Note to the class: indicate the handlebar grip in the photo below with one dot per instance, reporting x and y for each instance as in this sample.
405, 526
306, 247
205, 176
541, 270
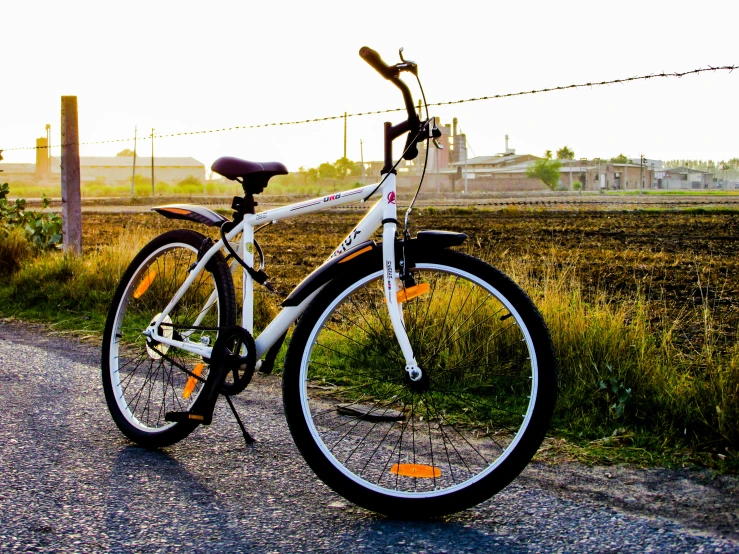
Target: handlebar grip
411, 150
374, 59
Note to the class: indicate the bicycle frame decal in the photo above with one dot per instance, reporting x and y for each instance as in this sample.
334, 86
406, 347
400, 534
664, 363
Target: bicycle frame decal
344, 246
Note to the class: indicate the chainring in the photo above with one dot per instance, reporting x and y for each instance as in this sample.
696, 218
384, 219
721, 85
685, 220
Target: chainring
234, 358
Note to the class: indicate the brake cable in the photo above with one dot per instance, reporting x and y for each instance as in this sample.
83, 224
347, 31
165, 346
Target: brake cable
406, 234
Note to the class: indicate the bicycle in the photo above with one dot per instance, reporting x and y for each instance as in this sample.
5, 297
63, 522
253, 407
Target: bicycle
418, 380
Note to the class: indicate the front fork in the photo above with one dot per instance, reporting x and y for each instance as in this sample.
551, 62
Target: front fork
390, 276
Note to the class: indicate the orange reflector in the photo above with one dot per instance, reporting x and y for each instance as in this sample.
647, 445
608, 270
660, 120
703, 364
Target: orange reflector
177, 211
191, 381
145, 284
416, 470
411, 292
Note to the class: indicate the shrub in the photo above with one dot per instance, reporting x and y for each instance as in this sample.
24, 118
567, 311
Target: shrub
14, 250
43, 230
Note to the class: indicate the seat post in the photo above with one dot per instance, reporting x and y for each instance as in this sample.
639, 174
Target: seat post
243, 205
249, 203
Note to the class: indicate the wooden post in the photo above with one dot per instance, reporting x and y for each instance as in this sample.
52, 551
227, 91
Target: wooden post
133, 175
345, 134
152, 163
71, 197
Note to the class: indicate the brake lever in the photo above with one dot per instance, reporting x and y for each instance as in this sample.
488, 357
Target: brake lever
406, 65
435, 134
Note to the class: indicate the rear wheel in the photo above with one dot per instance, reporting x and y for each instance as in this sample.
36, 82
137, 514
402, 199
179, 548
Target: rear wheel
142, 379
434, 446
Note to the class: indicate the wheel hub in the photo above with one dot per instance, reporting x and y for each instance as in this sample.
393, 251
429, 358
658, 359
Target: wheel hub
420, 385
157, 349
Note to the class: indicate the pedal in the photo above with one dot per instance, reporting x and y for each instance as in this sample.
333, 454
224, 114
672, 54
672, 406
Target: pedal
182, 417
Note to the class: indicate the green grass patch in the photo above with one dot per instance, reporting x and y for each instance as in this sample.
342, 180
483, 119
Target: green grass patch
624, 375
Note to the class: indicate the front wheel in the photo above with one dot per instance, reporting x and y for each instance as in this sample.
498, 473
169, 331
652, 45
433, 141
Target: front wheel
443, 443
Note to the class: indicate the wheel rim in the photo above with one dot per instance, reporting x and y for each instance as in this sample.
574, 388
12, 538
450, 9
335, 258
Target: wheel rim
146, 384
449, 430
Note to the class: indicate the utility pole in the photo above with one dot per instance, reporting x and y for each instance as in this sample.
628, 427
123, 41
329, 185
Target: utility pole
48, 151
641, 172
465, 163
345, 134
71, 196
584, 164
361, 157
152, 163
570, 173
438, 179
133, 176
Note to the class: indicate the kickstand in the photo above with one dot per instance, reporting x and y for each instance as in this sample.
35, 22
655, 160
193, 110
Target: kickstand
247, 437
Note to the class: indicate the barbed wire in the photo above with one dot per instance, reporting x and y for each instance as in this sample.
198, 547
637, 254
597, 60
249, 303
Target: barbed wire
624, 80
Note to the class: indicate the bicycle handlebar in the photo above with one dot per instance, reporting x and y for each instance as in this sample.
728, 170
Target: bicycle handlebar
374, 59
392, 74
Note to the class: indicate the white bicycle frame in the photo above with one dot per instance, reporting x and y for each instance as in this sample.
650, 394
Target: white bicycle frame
384, 210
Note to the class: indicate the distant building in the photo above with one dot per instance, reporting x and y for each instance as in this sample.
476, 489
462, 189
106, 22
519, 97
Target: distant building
508, 172
108, 169
685, 178
111, 169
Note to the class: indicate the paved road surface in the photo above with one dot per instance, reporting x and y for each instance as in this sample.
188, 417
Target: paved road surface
70, 482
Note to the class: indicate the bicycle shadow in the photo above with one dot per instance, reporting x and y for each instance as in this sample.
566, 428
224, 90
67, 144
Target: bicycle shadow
154, 501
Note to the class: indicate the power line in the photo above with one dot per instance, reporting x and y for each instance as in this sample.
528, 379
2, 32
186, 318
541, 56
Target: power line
660, 75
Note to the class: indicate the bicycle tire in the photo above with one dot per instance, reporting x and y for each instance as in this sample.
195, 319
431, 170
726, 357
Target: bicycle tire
143, 381
434, 447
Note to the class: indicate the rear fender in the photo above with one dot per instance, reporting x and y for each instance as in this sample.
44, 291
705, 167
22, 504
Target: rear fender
191, 212
370, 252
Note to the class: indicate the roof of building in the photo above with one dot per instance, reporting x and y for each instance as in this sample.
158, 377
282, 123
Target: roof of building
496, 159
518, 168
683, 169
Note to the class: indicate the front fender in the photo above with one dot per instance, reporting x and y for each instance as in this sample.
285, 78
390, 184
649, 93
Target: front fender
369, 252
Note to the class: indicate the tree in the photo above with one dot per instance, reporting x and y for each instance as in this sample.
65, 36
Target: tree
345, 167
125, 152
327, 171
190, 180
620, 159
548, 154
546, 170
565, 153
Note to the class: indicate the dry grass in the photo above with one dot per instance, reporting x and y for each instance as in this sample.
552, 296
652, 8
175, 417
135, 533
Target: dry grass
655, 323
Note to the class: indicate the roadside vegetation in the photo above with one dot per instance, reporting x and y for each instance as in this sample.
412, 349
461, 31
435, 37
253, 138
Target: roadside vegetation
644, 378
630, 385
315, 181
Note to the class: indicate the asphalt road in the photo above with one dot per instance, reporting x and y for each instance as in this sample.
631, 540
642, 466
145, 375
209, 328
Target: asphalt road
69, 481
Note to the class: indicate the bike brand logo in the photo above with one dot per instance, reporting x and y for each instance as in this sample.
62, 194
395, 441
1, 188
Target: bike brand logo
332, 197
261, 216
389, 266
347, 242
391, 197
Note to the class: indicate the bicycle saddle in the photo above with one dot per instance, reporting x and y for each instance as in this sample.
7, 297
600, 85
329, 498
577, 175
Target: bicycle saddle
253, 175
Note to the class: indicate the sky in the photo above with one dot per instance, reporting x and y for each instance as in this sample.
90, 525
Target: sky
188, 66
